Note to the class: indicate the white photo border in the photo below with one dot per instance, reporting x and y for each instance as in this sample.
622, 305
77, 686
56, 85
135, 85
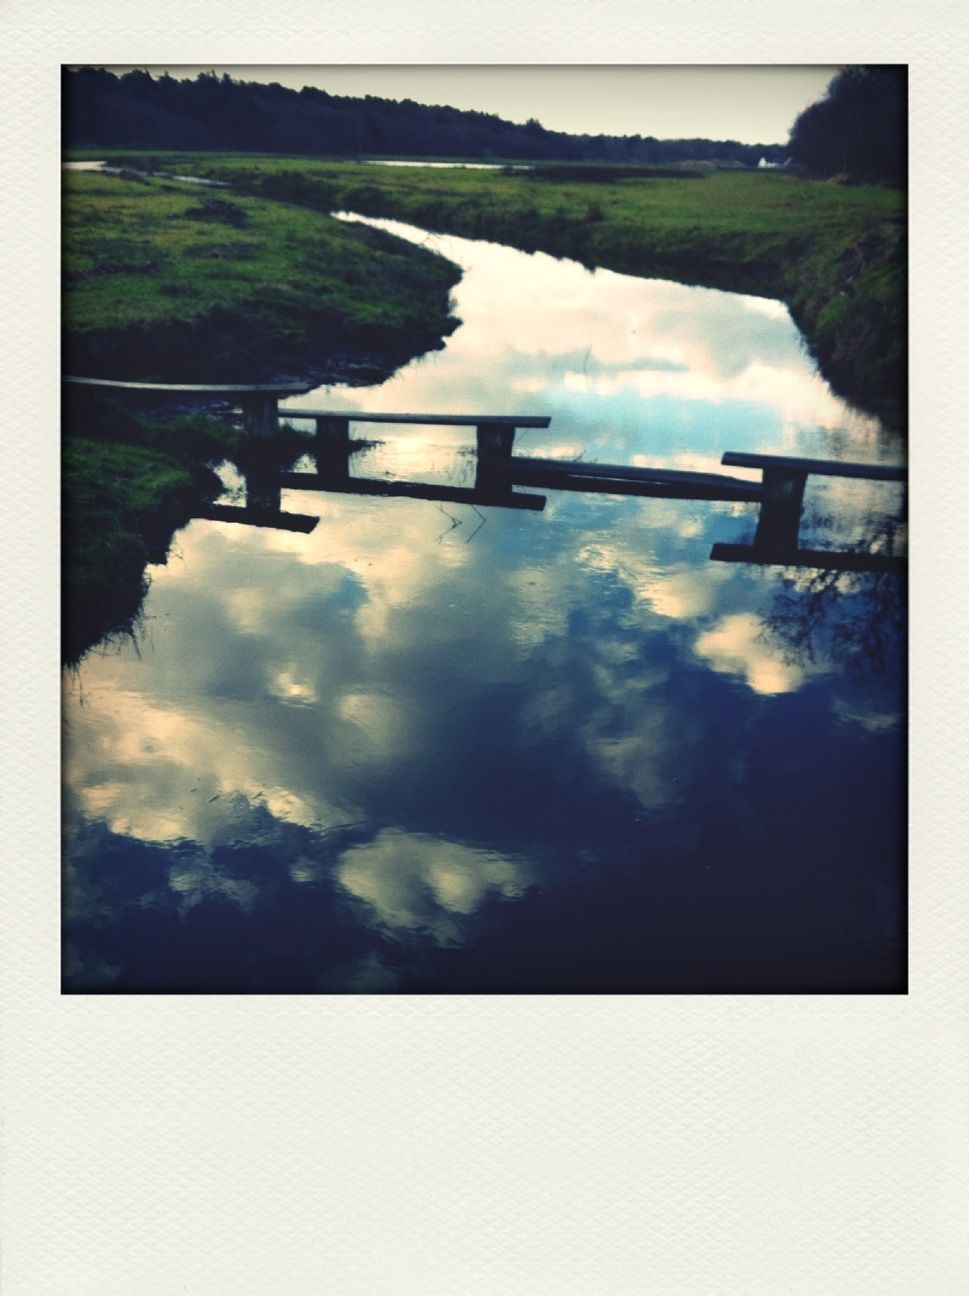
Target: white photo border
504, 1145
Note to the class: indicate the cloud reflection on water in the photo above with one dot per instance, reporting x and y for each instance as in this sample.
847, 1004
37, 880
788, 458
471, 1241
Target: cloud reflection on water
407, 719
739, 645
623, 342
417, 883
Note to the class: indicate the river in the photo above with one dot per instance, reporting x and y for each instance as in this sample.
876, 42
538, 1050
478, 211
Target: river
441, 749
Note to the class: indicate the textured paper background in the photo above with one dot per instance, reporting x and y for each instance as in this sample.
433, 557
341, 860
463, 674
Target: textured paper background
506, 1146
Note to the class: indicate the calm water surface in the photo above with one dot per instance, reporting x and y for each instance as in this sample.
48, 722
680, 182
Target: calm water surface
432, 748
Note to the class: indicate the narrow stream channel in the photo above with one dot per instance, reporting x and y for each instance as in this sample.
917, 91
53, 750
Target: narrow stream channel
432, 748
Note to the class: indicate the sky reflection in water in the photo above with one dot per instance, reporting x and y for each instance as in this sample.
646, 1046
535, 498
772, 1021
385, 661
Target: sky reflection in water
422, 749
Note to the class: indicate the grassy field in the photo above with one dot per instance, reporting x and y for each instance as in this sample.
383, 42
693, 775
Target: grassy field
173, 282
835, 253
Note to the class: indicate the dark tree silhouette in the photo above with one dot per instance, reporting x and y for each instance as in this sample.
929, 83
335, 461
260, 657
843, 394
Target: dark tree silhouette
136, 110
858, 129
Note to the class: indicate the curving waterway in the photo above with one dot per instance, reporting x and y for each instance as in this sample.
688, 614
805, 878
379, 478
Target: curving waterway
436, 748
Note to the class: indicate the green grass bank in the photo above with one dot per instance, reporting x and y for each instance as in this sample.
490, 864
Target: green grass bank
174, 282
129, 482
127, 485
836, 254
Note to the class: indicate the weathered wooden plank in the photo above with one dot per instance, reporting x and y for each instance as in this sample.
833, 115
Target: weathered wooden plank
410, 490
823, 559
199, 389
656, 488
442, 420
523, 466
823, 467
302, 522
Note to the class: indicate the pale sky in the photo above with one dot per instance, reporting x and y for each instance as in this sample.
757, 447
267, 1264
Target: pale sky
755, 105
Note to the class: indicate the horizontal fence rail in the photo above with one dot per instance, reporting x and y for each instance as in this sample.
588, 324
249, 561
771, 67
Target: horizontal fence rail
622, 479
276, 520
821, 559
194, 389
410, 490
443, 420
815, 467
779, 493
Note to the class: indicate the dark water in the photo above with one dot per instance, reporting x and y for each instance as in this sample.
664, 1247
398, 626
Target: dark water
433, 748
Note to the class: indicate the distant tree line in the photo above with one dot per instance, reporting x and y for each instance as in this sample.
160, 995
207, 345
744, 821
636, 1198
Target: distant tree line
858, 129
137, 110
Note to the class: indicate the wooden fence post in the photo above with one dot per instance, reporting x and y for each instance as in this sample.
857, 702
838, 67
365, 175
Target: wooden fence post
260, 414
495, 442
263, 492
332, 448
780, 510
